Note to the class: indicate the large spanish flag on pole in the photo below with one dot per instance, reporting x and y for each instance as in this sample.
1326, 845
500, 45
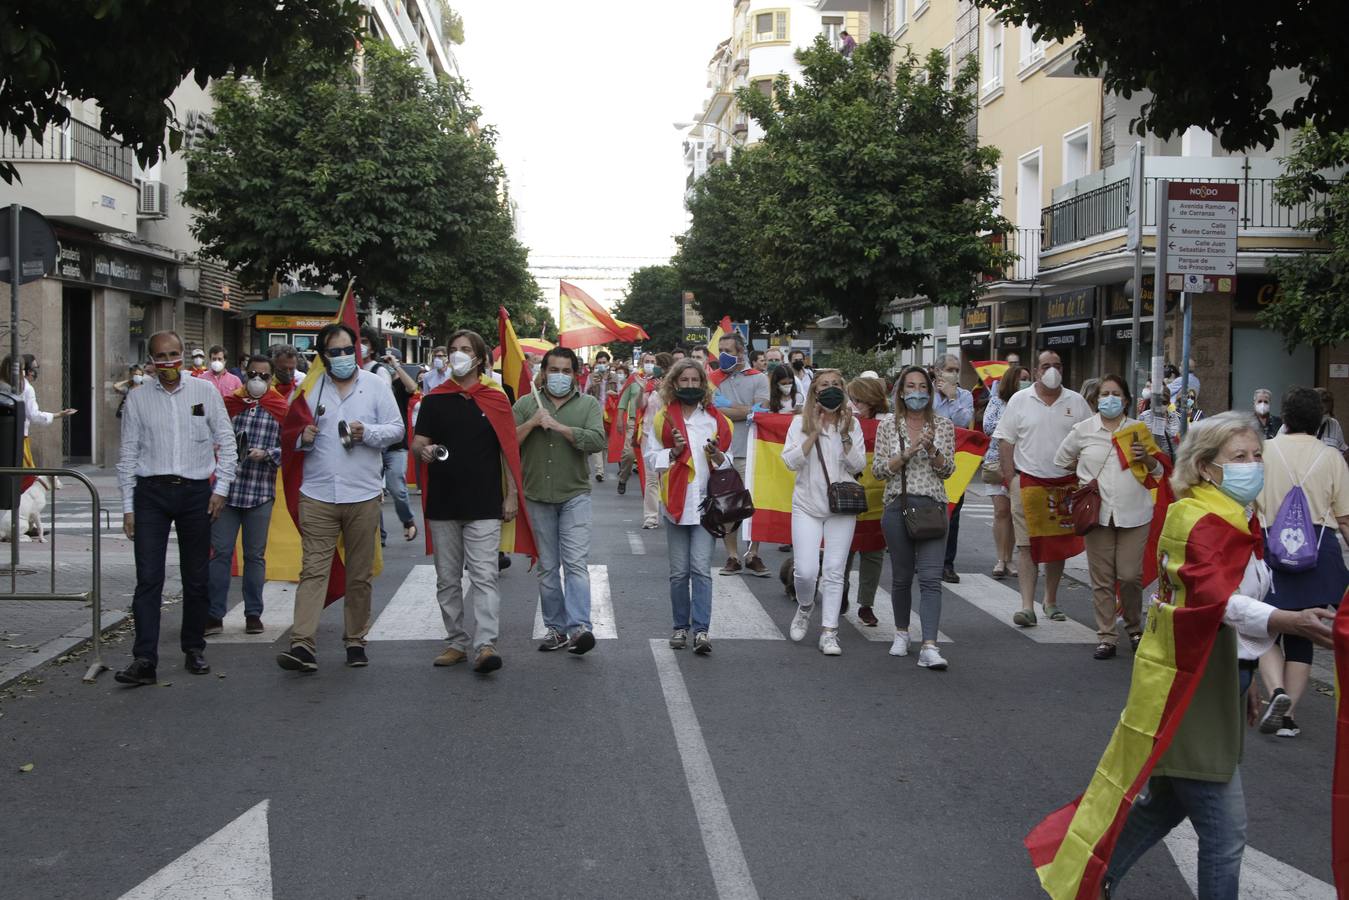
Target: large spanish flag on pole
1204, 549
1045, 501
990, 370
582, 322
515, 372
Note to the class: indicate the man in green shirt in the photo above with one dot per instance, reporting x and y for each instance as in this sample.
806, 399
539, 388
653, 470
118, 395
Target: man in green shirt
629, 402
558, 427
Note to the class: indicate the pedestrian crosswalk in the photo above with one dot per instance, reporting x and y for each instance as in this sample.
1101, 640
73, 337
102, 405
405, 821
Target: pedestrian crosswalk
602, 622
1001, 601
884, 630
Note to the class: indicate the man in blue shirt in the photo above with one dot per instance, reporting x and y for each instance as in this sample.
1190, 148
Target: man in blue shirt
956, 404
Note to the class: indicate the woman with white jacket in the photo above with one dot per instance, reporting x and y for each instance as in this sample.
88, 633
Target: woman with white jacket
824, 445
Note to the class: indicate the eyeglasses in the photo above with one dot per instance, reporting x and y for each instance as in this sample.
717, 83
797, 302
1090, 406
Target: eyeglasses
335, 352
263, 375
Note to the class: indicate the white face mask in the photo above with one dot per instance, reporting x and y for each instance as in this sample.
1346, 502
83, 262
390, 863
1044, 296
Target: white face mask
257, 387
648, 369
1262, 407
138, 379
460, 363
438, 363
217, 366
1052, 379
1147, 393
786, 388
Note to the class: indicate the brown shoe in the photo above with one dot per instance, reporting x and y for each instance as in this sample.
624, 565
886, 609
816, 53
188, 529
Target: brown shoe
488, 660
732, 566
755, 566
214, 626
451, 657
252, 624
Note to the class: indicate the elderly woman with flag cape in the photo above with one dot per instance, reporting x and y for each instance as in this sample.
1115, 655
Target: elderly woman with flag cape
1175, 752
465, 442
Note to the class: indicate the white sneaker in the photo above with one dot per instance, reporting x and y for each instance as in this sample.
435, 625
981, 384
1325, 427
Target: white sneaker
930, 658
800, 623
901, 645
829, 645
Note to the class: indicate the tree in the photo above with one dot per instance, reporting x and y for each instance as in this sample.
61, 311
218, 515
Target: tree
1152, 45
1310, 306
868, 187
130, 56
324, 173
654, 301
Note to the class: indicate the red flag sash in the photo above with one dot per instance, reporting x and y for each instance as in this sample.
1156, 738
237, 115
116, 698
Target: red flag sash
681, 467
272, 402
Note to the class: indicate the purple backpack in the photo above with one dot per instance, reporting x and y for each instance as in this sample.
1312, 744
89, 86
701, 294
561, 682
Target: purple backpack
1291, 541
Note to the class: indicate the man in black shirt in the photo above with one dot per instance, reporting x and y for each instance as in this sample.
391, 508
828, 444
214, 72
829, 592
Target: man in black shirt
1269, 423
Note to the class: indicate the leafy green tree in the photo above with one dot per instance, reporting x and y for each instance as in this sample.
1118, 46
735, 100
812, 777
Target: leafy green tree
654, 301
1311, 307
866, 187
325, 173
854, 362
1151, 45
130, 56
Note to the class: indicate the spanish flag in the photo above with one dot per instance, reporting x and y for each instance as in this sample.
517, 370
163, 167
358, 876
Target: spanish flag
674, 482
1158, 486
274, 404
515, 372
724, 327
620, 417
1204, 548
1048, 521
582, 322
1339, 797
990, 371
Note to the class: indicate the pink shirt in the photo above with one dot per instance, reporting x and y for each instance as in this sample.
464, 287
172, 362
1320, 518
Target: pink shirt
226, 382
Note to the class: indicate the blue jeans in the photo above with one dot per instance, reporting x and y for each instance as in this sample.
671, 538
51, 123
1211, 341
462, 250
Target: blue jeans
158, 507
690, 549
396, 483
562, 533
1217, 810
255, 523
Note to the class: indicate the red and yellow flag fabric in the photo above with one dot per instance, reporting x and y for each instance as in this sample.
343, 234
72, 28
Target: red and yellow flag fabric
274, 403
1158, 486
1204, 549
724, 327
582, 322
413, 402
26, 481
1050, 525
515, 372
1339, 792
771, 483
674, 482
990, 370
619, 428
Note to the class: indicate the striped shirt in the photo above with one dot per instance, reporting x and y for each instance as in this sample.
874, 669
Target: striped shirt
185, 432
256, 480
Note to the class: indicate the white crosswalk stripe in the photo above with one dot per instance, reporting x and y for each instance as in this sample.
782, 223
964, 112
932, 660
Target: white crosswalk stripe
412, 614
278, 614
885, 617
602, 621
737, 614
1262, 877
1000, 602
635, 544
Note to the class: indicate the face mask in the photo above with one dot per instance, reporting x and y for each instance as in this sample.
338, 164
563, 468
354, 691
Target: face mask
285, 376
138, 379
366, 354
1110, 406
798, 364
1147, 393
648, 369
601, 368
1262, 408
343, 367
559, 384
1052, 379
786, 388
1022, 385
217, 366
1243, 481
690, 395
773, 364
198, 362
831, 398
460, 364
916, 402
438, 363
169, 371
657, 371
257, 387
727, 361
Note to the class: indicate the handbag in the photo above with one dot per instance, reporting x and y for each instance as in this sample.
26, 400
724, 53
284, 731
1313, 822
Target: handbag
1084, 504
846, 498
991, 472
922, 521
727, 503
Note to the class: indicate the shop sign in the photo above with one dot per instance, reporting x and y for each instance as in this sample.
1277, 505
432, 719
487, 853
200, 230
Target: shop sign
1013, 340
1014, 312
125, 271
1124, 334
1070, 306
979, 344
1120, 303
313, 323
1255, 294
976, 318
1076, 337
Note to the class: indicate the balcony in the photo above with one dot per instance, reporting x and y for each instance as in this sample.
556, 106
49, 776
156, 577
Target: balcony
73, 174
1025, 243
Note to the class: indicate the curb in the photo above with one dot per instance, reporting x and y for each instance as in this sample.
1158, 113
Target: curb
51, 650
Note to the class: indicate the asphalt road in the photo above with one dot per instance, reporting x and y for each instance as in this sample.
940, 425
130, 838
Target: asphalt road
763, 770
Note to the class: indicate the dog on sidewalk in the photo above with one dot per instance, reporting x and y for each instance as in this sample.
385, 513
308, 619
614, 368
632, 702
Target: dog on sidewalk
31, 505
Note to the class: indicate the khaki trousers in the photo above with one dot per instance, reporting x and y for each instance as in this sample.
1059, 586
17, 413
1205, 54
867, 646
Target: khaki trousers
651, 498
320, 526
1116, 555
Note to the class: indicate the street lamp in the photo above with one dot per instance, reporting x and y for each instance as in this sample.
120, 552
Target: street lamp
685, 126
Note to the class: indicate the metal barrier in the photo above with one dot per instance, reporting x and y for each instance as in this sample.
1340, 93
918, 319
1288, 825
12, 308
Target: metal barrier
93, 596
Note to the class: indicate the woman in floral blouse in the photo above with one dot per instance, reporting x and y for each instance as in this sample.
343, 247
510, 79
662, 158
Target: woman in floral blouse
915, 451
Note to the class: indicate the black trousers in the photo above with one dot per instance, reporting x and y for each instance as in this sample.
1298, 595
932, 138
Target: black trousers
159, 506
953, 534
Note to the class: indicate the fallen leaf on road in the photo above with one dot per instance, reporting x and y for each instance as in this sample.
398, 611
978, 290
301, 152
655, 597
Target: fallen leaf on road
26, 768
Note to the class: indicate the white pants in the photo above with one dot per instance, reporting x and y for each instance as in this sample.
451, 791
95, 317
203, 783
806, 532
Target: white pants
807, 533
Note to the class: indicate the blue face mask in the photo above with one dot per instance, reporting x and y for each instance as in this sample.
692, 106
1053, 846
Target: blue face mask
559, 385
1110, 406
343, 367
1243, 481
915, 402
727, 361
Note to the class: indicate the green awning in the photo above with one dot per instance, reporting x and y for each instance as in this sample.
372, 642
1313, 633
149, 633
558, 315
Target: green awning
298, 302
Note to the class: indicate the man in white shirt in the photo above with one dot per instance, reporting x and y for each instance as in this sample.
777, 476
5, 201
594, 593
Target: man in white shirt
804, 375
1031, 428
354, 419
176, 435
440, 370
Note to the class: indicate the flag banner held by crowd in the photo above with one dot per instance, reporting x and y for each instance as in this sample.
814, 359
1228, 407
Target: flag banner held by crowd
582, 322
990, 370
1339, 798
1158, 485
515, 373
1071, 848
1125, 438
771, 482
1048, 521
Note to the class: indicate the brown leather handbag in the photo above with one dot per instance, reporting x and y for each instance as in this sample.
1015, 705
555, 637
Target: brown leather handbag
726, 504
1084, 504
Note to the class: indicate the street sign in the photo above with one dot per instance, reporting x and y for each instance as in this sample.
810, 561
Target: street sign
1201, 231
37, 246
1135, 221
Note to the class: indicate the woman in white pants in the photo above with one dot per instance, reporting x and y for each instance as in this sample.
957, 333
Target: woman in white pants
826, 431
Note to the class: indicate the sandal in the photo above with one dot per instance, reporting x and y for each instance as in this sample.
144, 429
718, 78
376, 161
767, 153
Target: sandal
1054, 614
1024, 618
410, 532
1000, 570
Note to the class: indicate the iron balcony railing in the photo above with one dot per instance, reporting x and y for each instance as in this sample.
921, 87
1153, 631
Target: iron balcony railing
1106, 209
75, 142
1025, 243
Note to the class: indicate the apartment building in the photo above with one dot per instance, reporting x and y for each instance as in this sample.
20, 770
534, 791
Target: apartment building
128, 264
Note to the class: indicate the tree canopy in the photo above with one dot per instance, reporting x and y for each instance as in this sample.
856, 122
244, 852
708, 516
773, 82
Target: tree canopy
130, 56
866, 187
653, 301
326, 172
1205, 62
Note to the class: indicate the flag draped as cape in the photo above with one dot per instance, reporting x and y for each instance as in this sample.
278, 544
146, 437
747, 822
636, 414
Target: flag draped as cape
674, 484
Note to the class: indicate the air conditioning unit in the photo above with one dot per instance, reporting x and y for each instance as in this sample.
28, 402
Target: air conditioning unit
154, 200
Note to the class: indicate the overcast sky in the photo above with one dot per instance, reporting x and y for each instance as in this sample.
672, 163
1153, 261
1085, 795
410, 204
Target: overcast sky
583, 94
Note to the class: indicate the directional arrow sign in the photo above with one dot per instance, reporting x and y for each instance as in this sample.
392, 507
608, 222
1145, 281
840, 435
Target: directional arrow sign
1215, 228
1201, 236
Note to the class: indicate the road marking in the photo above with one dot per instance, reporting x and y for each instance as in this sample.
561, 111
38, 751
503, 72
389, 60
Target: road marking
635, 543
1262, 877
412, 613
737, 614
602, 623
730, 870
235, 863
278, 614
1000, 602
885, 616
